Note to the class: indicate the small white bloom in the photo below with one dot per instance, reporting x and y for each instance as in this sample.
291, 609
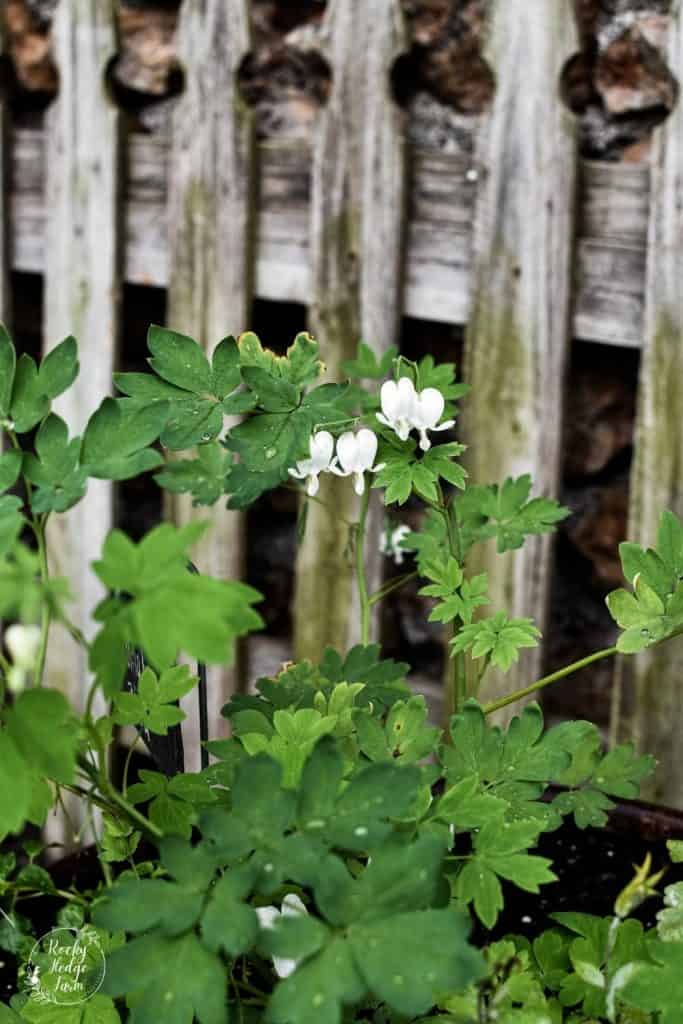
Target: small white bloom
429, 408
398, 406
356, 455
320, 446
16, 679
23, 643
267, 916
390, 542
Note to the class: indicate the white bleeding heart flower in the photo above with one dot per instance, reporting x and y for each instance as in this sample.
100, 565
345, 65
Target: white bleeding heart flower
356, 455
23, 643
321, 446
398, 401
429, 406
267, 916
390, 542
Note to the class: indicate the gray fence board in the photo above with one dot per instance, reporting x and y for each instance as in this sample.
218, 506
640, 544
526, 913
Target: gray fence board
210, 221
647, 705
518, 330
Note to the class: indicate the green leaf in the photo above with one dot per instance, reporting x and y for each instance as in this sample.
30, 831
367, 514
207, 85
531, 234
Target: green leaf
97, 1009
136, 905
274, 394
658, 986
55, 470
11, 522
170, 609
29, 401
116, 443
670, 920
59, 368
375, 794
228, 923
405, 471
15, 800
152, 707
621, 771
367, 366
408, 959
8, 360
498, 638
46, 732
318, 989
10, 467
225, 368
406, 737
178, 974
505, 513
179, 360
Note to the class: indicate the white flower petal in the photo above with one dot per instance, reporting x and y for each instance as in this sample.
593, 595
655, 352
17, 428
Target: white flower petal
359, 483
429, 408
321, 446
284, 967
267, 916
446, 425
366, 442
313, 485
406, 397
389, 400
23, 642
293, 905
347, 452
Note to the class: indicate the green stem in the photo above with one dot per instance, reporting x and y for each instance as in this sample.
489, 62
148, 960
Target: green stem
458, 691
390, 586
360, 570
126, 765
39, 530
606, 652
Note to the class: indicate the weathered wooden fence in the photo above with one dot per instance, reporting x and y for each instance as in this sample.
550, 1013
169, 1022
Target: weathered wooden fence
525, 243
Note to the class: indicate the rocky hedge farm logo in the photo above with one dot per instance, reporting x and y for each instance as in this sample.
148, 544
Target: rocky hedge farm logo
65, 967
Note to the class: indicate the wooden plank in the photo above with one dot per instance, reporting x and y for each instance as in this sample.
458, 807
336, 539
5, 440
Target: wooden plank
4, 199
609, 261
81, 289
521, 273
357, 193
647, 706
210, 225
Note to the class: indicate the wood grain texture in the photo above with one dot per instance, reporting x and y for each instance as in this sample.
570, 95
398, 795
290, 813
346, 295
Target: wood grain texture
82, 295
647, 707
519, 326
4, 201
211, 173
609, 268
356, 223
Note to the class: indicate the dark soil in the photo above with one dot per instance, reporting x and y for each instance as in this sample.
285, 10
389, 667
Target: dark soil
593, 866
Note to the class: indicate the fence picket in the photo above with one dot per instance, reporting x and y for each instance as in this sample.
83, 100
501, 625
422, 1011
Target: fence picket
210, 204
356, 230
519, 323
4, 200
647, 706
82, 289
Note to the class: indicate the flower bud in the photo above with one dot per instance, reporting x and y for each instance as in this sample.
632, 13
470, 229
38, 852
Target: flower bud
23, 643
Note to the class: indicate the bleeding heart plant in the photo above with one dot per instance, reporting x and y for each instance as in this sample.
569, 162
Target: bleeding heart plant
325, 867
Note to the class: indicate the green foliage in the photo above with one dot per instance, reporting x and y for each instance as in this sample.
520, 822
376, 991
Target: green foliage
654, 611
506, 513
498, 638
325, 866
161, 607
366, 365
153, 706
205, 477
408, 471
